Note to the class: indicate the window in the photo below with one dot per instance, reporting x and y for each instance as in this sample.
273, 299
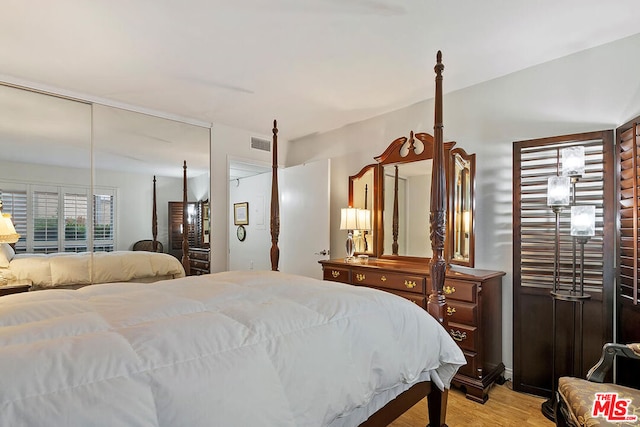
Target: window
56, 219
103, 205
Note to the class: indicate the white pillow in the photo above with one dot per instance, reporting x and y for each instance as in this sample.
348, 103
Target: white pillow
6, 254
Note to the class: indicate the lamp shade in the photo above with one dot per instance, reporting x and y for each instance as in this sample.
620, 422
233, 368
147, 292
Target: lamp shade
364, 219
583, 221
7, 230
573, 161
348, 219
558, 191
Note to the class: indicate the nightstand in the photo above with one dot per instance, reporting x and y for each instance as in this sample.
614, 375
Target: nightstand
15, 287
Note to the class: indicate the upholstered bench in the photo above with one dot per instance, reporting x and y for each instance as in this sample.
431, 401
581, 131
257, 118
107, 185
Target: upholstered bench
576, 397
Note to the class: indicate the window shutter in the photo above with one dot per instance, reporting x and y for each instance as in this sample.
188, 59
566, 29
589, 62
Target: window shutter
15, 204
75, 222
45, 218
103, 222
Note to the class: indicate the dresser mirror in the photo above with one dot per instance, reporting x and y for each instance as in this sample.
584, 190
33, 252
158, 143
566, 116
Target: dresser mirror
362, 196
401, 196
461, 183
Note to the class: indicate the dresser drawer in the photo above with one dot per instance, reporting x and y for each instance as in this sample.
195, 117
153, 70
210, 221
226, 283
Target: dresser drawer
419, 300
471, 368
462, 312
460, 291
464, 335
199, 264
392, 281
336, 274
199, 255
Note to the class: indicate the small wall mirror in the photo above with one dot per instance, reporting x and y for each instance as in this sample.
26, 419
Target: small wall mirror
362, 195
461, 182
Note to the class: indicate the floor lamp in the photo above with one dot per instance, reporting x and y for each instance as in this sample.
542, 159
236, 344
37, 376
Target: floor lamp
561, 192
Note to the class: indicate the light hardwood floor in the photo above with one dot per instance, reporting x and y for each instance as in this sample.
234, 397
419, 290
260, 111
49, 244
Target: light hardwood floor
505, 408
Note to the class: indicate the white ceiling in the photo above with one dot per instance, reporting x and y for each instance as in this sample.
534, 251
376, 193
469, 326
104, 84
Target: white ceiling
314, 65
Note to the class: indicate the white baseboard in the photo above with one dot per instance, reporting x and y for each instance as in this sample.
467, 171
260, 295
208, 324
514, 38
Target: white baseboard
508, 374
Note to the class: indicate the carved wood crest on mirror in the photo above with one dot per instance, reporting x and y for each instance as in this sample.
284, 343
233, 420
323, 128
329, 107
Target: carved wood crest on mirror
397, 190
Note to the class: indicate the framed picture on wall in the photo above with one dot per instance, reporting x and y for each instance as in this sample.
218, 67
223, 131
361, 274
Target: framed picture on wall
241, 213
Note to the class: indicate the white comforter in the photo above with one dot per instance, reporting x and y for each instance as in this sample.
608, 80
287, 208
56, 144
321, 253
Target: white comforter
227, 349
59, 269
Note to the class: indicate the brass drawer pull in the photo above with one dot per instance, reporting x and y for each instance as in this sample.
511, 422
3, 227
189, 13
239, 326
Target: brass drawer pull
449, 290
458, 336
383, 278
335, 274
360, 277
450, 311
410, 284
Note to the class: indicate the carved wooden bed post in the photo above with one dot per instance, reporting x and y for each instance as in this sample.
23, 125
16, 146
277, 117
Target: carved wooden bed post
154, 219
275, 203
185, 231
436, 304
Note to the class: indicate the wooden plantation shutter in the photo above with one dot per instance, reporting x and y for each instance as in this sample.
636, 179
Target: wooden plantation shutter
628, 150
534, 161
628, 141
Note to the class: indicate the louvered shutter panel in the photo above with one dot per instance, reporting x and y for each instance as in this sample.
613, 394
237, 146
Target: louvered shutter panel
628, 198
75, 222
45, 221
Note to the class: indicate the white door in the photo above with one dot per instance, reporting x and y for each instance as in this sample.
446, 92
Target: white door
304, 218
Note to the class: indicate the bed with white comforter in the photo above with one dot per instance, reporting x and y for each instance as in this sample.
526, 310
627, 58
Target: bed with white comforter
67, 269
225, 349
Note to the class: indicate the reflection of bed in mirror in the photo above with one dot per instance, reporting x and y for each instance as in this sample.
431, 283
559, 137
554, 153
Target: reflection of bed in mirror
86, 169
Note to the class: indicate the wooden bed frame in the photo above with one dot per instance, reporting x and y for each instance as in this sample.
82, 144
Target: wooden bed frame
436, 305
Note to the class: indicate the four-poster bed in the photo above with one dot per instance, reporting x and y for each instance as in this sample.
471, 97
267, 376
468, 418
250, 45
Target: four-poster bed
232, 348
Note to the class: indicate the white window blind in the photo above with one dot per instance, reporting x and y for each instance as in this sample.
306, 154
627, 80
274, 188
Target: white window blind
53, 218
15, 203
75, 222
45, 211
103, 221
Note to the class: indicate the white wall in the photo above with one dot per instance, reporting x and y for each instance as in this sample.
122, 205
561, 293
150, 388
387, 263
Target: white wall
253, 252
591, 90
232, 143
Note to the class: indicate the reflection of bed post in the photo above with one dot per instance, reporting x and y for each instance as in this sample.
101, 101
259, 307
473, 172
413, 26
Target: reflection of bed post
185, 230
154, 219
365, 232
275, 204
436, 305
396, 224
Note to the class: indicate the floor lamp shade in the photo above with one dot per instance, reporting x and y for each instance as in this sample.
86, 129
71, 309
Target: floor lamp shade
573, 161
583, 221
558, 191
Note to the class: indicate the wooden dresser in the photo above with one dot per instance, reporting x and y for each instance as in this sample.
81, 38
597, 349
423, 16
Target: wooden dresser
199, 261
474, 299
